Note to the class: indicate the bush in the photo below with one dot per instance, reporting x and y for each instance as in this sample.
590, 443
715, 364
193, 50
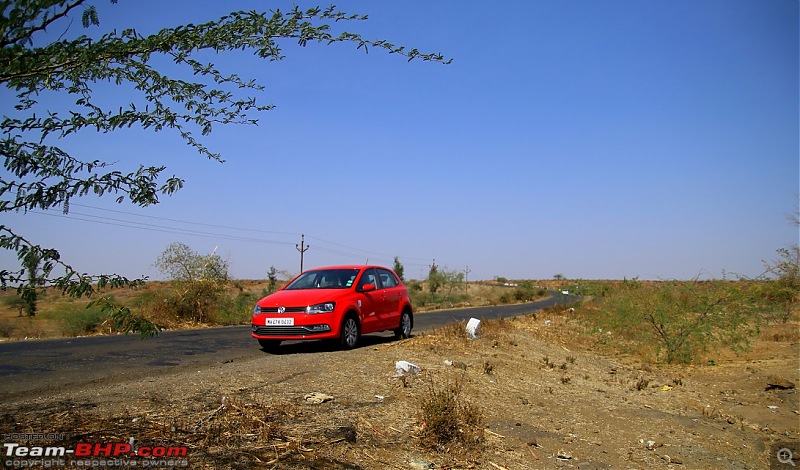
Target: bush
6, 328
525, 292
237, 310
195, 302
198, 284
77, 320
678, 320
449, 420
14, 302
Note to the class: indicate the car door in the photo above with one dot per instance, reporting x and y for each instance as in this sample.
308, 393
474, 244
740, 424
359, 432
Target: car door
369, 302
390, 298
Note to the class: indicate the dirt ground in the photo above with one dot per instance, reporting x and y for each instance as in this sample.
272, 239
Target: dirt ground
548, 397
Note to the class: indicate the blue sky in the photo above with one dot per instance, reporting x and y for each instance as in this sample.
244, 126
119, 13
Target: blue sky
593, 139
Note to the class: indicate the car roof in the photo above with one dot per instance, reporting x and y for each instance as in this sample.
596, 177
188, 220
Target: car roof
347, 266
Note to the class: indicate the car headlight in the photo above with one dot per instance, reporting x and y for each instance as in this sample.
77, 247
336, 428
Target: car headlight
256, 310
325, 307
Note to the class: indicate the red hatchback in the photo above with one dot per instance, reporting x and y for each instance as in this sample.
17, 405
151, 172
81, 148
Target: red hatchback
340, 302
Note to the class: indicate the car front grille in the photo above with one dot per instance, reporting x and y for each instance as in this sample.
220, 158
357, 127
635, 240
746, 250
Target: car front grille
288, 309
287, 331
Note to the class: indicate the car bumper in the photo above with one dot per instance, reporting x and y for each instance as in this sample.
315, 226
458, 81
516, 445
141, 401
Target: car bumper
317, 331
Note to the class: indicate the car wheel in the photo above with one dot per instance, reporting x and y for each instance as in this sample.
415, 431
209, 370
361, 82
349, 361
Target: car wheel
270, 345
349, 333
404, 330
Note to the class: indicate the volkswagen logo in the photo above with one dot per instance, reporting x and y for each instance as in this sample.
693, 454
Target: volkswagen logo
281, 309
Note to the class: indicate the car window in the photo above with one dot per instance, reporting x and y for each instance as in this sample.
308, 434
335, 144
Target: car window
387, 278
324, 279
369, 277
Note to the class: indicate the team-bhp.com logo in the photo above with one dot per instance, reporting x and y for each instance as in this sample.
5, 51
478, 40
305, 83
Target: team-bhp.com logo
22, 455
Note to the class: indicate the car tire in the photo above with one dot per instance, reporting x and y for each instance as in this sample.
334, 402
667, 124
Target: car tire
350, 332
269, 345
403, 331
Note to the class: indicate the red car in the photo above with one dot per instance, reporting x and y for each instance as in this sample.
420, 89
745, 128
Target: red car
339, 302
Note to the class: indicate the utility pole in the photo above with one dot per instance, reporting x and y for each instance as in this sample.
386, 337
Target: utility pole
466, 280
302, 248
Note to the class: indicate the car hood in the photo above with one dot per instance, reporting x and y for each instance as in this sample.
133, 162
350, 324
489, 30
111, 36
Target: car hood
302, 297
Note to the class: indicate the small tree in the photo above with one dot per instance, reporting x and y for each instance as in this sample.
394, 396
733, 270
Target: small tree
435, 279
451, 279
399, 269
29, 291
198, 281
272, 275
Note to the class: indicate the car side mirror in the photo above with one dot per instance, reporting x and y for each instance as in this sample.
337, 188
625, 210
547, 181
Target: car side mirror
368, 288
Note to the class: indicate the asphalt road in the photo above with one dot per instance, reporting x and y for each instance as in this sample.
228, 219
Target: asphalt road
29, 367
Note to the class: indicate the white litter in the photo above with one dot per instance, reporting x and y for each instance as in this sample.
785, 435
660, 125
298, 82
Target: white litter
405, 367
472, 326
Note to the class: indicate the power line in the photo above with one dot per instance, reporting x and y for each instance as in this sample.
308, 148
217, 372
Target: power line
170, 219
353, 252
383, 255
154, 228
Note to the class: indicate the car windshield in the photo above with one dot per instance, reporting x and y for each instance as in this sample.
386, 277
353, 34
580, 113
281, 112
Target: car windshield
324, 279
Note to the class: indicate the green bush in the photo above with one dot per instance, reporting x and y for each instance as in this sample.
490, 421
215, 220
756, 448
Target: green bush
439, 299
77, 320
525, 292
679, 320
414, 286
237, 310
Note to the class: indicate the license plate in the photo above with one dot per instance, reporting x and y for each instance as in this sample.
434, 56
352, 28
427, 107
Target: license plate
279, 322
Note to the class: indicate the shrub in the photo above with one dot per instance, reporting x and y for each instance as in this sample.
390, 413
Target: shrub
6, 328
237, 310
506, 297
679, 320
196, 302
449, 420
198, 284
79, 320
14, 302
525, 292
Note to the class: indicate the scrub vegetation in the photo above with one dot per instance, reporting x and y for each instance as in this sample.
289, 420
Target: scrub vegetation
669, 321
539, 390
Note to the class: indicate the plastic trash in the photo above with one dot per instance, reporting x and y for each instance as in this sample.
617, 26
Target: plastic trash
420, 464
405, 367
472, 327
316, 398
